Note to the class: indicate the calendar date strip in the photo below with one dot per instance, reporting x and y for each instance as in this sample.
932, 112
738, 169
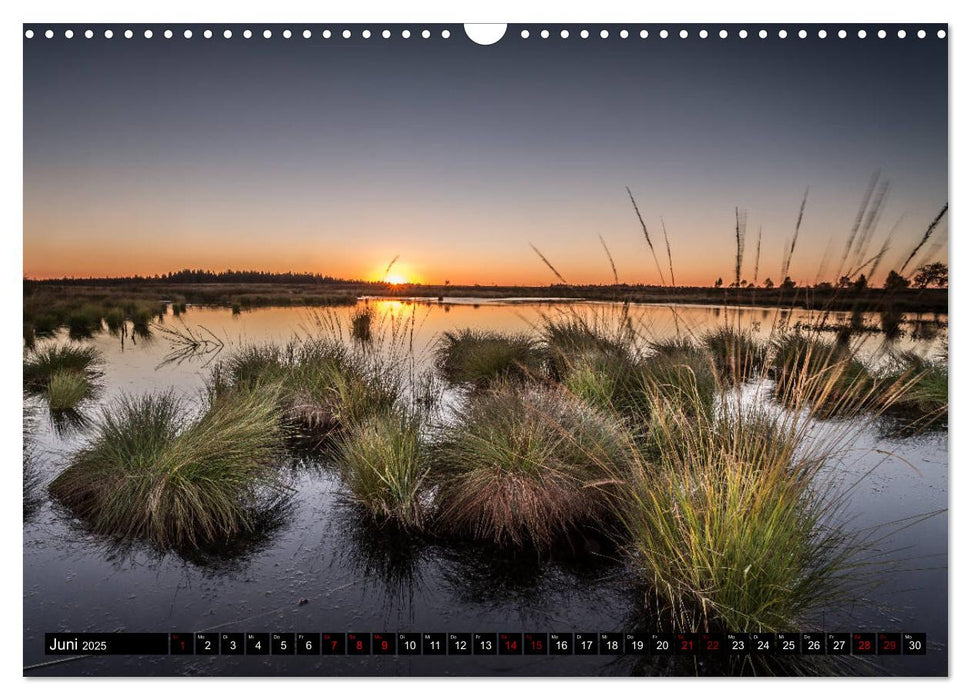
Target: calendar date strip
483, 643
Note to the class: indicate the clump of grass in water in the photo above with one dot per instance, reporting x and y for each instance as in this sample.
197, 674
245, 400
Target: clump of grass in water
151, 471
84, 321
141, 319
598, 361
607, 382
384, 466
724, 522
252, 365
66, 389
322, 388
41, 365
737, 356
679, 376
924, 393
361, 324
578, 341
602, 367
480, 358
524, 465
823, 377
115, 319
46, 324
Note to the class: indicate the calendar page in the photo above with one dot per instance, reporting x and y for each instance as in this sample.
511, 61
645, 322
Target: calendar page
486, 350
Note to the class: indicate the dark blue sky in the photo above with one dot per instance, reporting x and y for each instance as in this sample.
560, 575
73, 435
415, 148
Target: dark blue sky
334, 155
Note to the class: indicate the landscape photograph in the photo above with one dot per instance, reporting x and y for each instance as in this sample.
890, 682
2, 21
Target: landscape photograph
635, 334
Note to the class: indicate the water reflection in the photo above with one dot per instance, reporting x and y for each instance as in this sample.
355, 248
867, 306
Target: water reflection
890, 321
387, 561
32, 488
68, 422
233, 556
214, 559
484, 575
745, 665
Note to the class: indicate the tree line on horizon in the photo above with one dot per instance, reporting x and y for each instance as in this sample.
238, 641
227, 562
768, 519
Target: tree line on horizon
199, 276
929, 275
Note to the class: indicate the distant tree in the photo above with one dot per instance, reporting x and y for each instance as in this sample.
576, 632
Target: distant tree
931, 275
743, 283
751, 285
824, 286
844, 282
768, 284
196, 276
718, 282
860, 283
787, 283
896, 281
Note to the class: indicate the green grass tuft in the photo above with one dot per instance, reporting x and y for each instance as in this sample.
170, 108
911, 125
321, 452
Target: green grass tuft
66, 389
84, 321
725, 524
823, 377
115, 319
322, 387
141, 319
922, 391
737, 356
152, 471
40, 365
680, 376
525, 465
480, 358
384, 465
579, 341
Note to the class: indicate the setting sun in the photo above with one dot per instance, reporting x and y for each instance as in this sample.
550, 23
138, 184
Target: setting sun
395, 279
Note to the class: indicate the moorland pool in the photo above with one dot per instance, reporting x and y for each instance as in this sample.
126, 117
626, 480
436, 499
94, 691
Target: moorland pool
320, 567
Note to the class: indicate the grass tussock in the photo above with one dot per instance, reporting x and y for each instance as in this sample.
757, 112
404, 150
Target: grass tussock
152, 471
579, 341
361, 323
596, 359
480, 358
525, 465
725, 524
823, 377
322, 387
66, 389
608, 382
40, 365
923, 395
115, 320
737, 356
611, 376
384, 465
680, 376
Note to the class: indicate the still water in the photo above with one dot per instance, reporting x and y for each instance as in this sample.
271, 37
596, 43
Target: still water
321, 568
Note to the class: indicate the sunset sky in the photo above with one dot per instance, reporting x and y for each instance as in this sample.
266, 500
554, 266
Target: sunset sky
334, 155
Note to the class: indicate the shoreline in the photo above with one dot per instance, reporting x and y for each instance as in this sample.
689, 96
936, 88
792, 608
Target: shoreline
934, 300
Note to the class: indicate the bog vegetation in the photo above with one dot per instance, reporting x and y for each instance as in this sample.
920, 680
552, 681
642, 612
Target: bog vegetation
694, 456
